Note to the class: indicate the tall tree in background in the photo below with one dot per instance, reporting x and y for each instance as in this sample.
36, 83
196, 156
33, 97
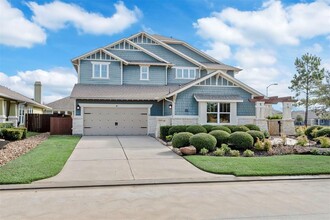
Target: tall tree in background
308, 77
322, 98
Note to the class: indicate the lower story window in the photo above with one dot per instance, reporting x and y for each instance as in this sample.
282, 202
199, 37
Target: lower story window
21, 114
218, 112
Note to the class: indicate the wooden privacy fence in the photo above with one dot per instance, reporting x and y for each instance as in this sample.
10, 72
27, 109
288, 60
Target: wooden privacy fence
49, 123
61, 125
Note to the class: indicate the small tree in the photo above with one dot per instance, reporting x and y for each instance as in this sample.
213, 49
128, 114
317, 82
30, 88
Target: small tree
322, 98
299, 119
309, 75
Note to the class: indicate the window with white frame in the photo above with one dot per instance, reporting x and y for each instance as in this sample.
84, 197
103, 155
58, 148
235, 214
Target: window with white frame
144, 72
218, 112
21, 114
185, 73
30, 110
100, 70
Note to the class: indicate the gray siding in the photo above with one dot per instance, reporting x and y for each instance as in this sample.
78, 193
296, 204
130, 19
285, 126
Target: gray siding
86, 73
171, 73
190, 53
156, 109
133, 55
231, 73
167, 55
157, 75
187, 105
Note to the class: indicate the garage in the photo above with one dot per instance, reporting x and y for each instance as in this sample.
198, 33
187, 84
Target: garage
115, 120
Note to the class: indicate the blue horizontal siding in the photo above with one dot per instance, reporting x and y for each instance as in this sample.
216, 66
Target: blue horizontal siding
190, 53
86, 73
185, 100
157, 75
133, 55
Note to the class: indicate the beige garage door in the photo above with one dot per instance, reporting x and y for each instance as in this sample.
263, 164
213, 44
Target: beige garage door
115, 121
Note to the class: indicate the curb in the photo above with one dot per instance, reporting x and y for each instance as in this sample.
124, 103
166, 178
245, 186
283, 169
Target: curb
148, 182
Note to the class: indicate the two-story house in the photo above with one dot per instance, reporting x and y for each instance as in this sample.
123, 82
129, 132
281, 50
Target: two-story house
135, 85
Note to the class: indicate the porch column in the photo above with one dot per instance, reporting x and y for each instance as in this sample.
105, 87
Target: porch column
260, 116
13, 113
287, 121
268, 110
2, 111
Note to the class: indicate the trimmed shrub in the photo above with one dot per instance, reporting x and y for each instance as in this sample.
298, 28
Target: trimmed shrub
310, 129
177, 129
181, 139
323, 132
12, 134
248, 153
256, 135
252, 127
196, 129
208, 127
235, 128
203, 151
24, 131
325, 141
221, 136
241, 140
6, 125
203, 140
222, 128
164, 131
169, 138
219, 152
234, 153
266, 134
225, 148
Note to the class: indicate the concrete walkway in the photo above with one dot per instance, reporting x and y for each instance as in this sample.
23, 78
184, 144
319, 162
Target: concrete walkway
125, 158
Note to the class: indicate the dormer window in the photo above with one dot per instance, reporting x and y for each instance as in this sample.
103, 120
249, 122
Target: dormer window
185, 73
100, 70
144, 72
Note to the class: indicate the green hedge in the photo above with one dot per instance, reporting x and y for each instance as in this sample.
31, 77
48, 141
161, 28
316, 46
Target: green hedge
13, 134
164, 131
24, 131
222, 137
235, 128
252, 127
222, 128
310, 129
256, 135
177, 129
208, 127
202, 140
181, 139
241, 140
196, 129
323, 132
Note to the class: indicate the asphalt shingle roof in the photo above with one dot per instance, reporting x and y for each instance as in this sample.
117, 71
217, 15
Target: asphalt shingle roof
65, 104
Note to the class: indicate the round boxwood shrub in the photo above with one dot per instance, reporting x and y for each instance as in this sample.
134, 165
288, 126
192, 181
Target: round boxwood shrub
181, 139
221, 136
323, 132
196, 129
252, 127
222, 128
235, 128
177, 129
310, 129
203, 140
257, 134
208, 127
241, 140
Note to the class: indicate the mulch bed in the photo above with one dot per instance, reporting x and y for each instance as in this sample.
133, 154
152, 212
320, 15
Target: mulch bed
11, 150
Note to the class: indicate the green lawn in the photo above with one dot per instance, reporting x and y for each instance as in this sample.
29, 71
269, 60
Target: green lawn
46, 160
263, 166
31, 133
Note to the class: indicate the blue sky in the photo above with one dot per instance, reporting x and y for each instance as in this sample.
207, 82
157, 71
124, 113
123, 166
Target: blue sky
39, 38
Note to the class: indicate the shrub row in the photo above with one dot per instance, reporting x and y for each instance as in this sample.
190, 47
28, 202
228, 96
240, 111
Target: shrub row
13, 134
317, 131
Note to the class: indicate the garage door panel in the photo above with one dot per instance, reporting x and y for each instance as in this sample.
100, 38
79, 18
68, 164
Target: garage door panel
115, 121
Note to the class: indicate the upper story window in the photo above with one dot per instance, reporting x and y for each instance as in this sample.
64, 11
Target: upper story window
100, 70
185, 73
144, 72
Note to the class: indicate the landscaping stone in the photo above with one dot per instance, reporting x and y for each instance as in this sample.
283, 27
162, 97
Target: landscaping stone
14, 149
177, 151
190, 150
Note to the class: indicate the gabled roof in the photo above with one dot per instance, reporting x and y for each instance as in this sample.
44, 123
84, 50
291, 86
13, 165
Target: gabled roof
99, 50
64, 104
15, 96
169, 48
121, 92
221, 73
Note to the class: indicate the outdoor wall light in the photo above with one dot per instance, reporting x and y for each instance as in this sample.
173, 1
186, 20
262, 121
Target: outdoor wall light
170, 106
78, 107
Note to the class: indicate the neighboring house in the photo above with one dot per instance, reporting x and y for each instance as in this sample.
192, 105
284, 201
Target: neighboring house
135, 85
14, 106
313, 119
62, 106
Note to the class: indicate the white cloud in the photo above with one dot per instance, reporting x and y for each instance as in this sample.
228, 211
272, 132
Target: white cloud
16, 30
57, 15
273, 23
251, 58
56, 83
219, 51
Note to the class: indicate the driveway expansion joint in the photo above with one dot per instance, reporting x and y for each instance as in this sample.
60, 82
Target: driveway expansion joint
130, 168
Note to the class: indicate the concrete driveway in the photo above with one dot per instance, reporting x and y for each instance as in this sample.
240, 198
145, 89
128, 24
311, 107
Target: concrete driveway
118, 158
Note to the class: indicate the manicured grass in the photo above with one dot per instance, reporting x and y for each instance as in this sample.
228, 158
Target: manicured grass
31, 133
44, 161
263, 166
